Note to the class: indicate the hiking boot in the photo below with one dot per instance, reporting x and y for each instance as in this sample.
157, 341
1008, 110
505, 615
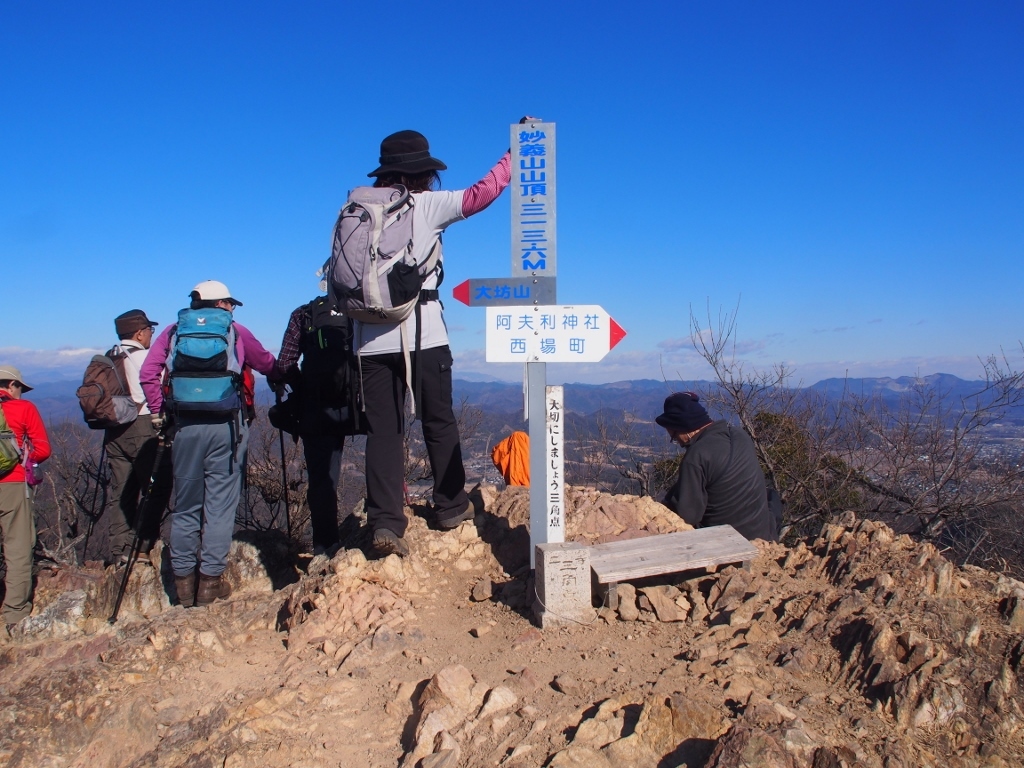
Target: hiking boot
447, 523
185, 586
329, 551
212, 588
389, 543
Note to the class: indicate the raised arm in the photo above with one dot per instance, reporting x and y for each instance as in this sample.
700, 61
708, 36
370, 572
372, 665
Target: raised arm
486, 191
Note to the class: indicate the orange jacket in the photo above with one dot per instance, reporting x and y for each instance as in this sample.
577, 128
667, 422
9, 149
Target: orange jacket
512, 458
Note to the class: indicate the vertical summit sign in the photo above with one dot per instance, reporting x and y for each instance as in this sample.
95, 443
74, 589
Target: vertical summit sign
534, 241
525, 325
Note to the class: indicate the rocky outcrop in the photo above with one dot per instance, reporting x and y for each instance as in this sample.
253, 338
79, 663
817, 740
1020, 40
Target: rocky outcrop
855, 647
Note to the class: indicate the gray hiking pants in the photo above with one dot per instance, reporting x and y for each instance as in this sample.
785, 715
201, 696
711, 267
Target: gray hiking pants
19, 538
207, 484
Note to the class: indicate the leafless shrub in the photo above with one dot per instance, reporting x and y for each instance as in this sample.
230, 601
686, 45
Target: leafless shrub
921, 459
70, 500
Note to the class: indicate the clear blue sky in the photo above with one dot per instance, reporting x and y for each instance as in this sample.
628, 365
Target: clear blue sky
852, 173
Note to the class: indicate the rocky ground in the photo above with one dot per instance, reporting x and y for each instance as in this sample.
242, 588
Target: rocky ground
858, 647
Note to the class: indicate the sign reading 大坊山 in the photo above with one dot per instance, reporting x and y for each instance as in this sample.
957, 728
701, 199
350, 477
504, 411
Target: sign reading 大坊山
533, 200
505, 291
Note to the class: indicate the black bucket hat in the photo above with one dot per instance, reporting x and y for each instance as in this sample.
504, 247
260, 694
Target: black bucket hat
406, 152
683, 412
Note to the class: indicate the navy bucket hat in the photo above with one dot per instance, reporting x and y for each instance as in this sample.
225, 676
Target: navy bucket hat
683, 412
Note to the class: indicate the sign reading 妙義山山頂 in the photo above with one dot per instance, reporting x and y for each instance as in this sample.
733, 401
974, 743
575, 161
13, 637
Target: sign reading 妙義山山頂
534, 244
582, 333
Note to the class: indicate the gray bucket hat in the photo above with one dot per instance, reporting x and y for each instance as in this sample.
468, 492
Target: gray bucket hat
9, 372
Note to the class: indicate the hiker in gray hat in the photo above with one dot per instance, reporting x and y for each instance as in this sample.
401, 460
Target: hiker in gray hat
21, 428
131, 450
719, 481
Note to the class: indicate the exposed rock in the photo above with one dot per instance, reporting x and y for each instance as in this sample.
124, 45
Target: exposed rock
482, 590
498, 700
664, 600
627, 609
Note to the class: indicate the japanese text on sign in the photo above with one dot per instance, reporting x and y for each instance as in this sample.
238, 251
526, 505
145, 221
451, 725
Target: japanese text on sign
554, 487
533, 199
548, 333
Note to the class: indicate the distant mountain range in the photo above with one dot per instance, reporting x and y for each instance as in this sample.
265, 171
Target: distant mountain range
641, 397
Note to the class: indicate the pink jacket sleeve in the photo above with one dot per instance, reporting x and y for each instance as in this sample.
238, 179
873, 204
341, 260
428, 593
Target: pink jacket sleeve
252, 353
152, 371
486, 191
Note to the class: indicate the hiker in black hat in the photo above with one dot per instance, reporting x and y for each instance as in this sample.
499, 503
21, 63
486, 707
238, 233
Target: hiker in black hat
719, 481
406, 160
131, 449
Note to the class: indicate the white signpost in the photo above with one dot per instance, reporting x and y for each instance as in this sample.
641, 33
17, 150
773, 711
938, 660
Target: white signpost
539, 333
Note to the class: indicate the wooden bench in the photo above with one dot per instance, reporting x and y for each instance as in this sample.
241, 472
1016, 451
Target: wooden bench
665, 553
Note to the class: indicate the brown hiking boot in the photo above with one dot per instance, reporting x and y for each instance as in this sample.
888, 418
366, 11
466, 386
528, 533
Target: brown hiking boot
390, 543
185, 586
212, 588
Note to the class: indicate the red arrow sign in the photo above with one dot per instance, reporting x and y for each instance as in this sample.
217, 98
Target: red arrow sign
616, 333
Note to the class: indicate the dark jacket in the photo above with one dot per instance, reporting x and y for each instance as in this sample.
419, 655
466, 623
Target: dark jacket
721, 483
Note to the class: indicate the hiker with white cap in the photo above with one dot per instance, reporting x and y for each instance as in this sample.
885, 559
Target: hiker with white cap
21, 428
203, 354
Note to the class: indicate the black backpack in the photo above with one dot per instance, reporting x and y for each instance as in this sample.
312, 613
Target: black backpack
329, 377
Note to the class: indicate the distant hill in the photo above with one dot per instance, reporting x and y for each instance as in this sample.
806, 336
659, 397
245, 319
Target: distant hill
641, 397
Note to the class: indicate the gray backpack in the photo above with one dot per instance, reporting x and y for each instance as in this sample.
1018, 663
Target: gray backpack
371, 274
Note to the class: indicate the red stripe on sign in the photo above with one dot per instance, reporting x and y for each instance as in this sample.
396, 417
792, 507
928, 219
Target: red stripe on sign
461, 292
616, 334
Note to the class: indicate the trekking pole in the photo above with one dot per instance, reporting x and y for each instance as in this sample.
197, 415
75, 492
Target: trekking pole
284, 481
92, 507
133, 553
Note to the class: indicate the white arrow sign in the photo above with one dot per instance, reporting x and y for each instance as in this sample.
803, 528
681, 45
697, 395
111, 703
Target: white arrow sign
550, 334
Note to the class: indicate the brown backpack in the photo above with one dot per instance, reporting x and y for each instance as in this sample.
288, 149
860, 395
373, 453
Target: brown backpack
104, 396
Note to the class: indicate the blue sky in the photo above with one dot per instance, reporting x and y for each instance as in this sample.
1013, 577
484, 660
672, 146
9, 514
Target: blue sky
850, 174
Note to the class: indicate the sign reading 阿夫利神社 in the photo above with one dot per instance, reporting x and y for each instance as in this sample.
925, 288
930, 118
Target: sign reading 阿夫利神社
552, 333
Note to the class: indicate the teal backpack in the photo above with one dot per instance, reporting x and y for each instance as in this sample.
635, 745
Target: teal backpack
205, 375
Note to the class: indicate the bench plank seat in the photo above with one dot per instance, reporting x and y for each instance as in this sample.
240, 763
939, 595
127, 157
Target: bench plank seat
665, 553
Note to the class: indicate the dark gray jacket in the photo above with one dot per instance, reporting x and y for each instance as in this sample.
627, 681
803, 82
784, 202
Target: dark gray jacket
721, 483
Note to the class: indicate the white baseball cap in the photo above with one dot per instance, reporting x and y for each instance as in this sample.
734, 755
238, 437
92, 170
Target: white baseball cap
214, 290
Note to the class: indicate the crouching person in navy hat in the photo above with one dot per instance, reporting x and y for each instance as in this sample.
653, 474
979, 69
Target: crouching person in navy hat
719, 481
203, 355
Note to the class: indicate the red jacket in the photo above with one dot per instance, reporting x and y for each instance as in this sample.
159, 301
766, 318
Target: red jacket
25, 422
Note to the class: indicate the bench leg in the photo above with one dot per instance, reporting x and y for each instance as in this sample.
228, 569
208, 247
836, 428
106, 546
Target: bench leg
609, 595
745, 565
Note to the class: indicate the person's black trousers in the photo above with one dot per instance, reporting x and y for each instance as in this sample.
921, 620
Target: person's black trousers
384, 398
323, 466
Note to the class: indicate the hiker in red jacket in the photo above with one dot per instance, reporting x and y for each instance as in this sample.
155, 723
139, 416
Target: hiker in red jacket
17, 522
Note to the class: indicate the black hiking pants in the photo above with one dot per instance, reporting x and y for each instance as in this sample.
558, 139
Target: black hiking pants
323, 465
384, 399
